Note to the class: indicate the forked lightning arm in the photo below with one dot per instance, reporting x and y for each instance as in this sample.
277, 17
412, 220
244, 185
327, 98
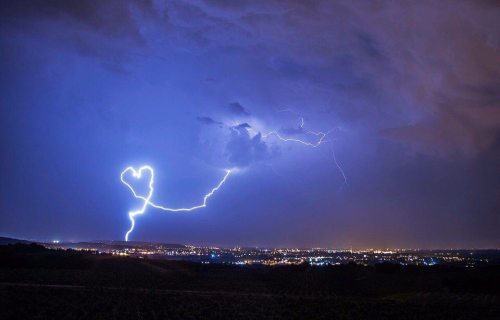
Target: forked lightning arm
340, 168
321, 139
321, 135
147, 199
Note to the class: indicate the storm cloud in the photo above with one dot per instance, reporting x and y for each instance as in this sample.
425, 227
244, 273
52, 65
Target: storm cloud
408, 90
243, 149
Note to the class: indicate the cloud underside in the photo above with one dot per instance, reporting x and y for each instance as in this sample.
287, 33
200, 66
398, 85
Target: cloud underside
237, 109
424, 73
243, 149
208, 121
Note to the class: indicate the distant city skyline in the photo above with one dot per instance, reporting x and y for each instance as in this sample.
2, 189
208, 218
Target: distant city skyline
73, 242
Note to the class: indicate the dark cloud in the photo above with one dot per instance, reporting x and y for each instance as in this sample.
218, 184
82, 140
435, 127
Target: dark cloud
237, 109
208, 121
243, 150
102, 30
432, 66
451, 133
110, 18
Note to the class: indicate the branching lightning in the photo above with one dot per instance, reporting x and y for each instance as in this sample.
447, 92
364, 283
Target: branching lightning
147, 199
322, 136
340, 168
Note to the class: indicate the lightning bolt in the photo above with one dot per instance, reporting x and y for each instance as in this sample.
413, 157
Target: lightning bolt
147, 199
321, 135
321, 140
340, 168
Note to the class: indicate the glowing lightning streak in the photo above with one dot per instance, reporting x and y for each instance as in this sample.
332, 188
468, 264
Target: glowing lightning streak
340, 169
147, 200
321, 139
322, 136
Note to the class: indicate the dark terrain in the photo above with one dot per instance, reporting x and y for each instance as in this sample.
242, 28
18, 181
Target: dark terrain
37, 283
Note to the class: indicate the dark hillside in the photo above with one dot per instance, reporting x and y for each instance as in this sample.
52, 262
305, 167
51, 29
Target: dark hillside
41, 283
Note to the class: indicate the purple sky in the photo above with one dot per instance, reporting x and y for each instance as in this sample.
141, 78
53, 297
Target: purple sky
409, 91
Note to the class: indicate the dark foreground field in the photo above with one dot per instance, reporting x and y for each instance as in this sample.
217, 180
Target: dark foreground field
36, 283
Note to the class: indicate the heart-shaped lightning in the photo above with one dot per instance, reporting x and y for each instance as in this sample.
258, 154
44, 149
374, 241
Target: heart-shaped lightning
147, 200
138, 175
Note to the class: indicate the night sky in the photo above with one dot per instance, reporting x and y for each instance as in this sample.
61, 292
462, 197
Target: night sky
409, 92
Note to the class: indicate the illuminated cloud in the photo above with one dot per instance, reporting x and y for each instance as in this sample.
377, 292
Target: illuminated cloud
242, 126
